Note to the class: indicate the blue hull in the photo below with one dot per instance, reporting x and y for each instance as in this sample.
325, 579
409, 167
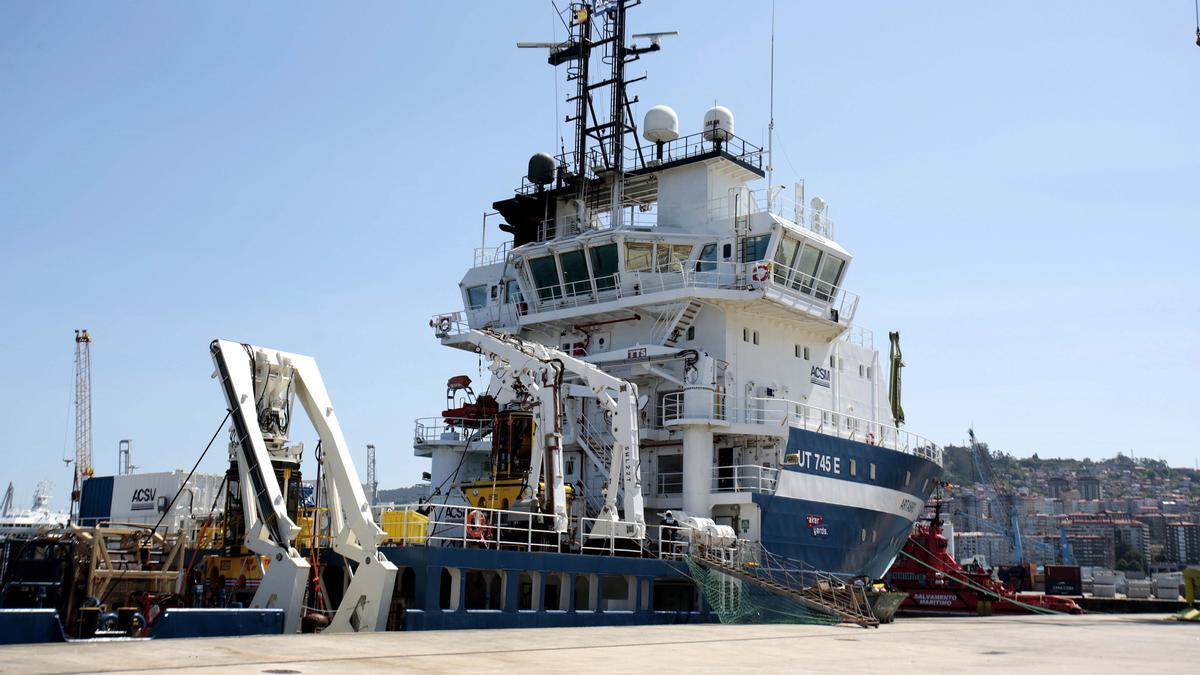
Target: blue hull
846, 506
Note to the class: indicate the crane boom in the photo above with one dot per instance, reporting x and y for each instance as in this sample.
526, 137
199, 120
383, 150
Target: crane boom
536, 369
259, 386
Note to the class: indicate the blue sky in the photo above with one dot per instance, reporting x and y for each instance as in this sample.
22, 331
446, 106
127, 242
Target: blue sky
1018, 181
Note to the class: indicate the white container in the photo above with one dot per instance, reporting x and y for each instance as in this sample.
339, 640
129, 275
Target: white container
1104, 590
1166, 585
1137, 588
143, 498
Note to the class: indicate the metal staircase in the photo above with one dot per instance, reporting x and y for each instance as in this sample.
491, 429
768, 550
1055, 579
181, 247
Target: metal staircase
597, 444
681, 322
816, 590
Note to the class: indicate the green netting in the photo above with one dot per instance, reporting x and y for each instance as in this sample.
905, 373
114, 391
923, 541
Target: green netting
738, 601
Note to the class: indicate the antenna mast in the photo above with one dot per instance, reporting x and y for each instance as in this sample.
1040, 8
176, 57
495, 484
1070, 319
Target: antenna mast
83, 416
771, 124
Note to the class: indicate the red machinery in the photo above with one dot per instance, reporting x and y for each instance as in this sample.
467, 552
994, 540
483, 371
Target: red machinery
937, 585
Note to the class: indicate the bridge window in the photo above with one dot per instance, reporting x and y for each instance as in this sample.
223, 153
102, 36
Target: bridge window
575, 272
604, 266
806, 269
708, 259
784, 257
639, 256
476, 297
830, 274
673, 257
755, 248
545, 277
512, 292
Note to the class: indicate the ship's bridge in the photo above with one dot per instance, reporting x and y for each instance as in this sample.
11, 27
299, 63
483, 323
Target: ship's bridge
788, 270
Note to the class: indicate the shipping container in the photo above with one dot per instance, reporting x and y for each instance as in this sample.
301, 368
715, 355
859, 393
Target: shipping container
145, 498
1063, 580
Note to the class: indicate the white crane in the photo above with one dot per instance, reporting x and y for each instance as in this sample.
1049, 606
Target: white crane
537, 370
259, 386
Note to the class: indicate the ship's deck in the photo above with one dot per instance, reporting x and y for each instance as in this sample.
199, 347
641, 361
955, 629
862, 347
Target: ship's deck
1090, 643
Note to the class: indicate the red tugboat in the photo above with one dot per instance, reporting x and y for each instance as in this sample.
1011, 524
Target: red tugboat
937, 585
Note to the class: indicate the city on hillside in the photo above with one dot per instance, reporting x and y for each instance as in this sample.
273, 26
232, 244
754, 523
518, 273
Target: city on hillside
1128, 513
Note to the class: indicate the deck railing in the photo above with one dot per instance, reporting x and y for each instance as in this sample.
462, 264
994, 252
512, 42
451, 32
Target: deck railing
779, 413
744, 478
795, 288
446, 429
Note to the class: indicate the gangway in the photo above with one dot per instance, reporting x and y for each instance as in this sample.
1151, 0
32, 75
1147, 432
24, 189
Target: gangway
818, 591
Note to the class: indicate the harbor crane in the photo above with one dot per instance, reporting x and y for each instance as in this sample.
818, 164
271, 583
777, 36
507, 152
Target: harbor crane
260, 385
83, 416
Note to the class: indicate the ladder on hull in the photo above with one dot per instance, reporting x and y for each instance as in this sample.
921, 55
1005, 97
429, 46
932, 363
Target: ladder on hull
818, 591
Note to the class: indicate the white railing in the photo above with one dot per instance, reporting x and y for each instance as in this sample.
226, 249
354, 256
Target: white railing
591, 542
449, 323
782, 413
446, 429
491, 255
452, 525
801, 290
744, 478
672, 541
857, 335
668, 483
741, 203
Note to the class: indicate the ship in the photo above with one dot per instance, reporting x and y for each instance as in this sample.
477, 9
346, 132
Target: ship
29, 522
937, 585
742, 402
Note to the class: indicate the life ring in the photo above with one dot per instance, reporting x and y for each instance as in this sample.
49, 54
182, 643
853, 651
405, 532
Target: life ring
476, 524
761, 271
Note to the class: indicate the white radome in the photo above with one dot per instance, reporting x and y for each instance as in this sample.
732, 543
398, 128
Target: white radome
718, 123
661, 125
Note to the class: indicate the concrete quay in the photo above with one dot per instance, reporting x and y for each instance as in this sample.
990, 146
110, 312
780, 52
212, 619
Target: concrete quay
1090, 643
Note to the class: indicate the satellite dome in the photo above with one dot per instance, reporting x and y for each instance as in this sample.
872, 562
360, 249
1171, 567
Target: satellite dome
718, 123
541, 169
817, 204
661, 124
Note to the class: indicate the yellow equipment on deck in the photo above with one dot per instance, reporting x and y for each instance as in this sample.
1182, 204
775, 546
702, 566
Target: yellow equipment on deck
404, 527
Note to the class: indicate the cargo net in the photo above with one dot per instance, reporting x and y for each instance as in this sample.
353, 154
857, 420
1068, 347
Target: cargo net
738, 601
748, 584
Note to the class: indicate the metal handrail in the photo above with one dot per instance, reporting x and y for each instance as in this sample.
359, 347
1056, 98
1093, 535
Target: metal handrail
795, 286
446, 429
448, 525
668, 483
744, 478
491, 255
783, 413
608, 544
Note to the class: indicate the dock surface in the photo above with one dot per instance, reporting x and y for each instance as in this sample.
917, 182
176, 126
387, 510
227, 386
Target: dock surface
1092, 643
